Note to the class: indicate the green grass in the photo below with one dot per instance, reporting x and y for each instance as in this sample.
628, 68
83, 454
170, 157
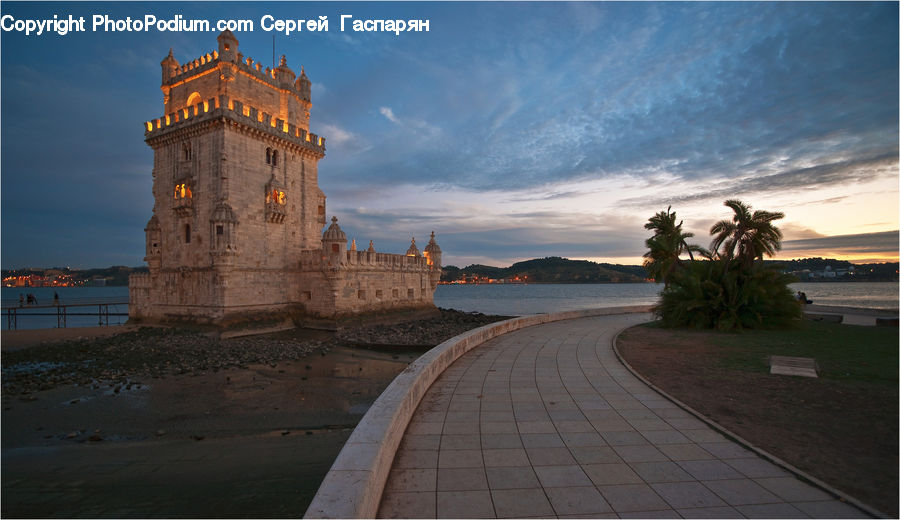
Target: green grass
843, 352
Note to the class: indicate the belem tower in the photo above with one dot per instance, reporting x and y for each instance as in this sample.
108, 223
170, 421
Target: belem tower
236, 231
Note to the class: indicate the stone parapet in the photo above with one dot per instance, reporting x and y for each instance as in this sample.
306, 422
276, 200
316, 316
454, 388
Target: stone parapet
354, 484
236, 112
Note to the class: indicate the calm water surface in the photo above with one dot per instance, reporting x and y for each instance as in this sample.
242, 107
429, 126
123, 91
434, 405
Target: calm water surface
508, 300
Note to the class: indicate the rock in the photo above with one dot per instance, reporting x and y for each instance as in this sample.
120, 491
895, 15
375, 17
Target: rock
72, 435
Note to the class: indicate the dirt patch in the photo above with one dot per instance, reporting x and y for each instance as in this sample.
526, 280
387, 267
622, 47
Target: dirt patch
844, 432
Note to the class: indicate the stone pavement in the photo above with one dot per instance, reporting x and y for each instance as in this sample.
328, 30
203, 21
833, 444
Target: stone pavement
546, 422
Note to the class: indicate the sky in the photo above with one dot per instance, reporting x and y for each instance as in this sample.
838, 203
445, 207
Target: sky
512, 130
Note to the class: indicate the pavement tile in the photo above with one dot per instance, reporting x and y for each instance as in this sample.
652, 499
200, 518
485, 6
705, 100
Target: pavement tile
460, 442
663, 513
791, 489
549, 456
601, 415
460, 459
640, 453
577, 501
505, 457
599, 404
420, 442
611, 474
710, 512
498, 427
703, 435
632, 498
580, 439
465, 504
412, 480
686, 423
407, 505
531, 415
829, 509
512, 477
685, 452
491, 416
496, 406
659, 437
756, 468
681, 495
641, 413
611, 425
536, 427
623, 438
573, 426
424, 428
470, 417
726, 450
649, 424
542, 440
594, 454
741, 492
561, 476
501, 441
709, 469
518, 503
523, 406
780, 510
461, 479
416, 459
464, 406
566, 415
460, 428
663, 471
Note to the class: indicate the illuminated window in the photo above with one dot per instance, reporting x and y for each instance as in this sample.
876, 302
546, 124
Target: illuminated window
182, 191
277, 196
193, 99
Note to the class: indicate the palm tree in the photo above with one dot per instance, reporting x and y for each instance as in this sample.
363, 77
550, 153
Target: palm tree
747, 235
666, 245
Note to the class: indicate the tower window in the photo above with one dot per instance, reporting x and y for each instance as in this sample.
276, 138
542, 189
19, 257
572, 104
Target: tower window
187, 233
268, 156
275, 158
220, 229
186, 151
182, 191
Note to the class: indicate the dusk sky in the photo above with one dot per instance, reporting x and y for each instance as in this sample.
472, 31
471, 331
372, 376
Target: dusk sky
513, 130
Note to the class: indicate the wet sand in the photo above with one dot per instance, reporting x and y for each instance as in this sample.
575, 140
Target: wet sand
247, 442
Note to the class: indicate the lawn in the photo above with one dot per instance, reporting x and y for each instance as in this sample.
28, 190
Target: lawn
841, 427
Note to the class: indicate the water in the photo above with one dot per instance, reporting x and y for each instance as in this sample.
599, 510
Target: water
521, 299
502, 299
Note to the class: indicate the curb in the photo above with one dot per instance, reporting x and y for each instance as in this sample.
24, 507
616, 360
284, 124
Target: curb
354, 484
841, 496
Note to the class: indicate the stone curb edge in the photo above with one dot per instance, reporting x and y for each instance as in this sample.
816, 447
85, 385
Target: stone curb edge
354, 484
747, 444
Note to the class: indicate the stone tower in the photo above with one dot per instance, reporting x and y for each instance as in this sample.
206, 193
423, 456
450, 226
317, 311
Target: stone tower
238, 213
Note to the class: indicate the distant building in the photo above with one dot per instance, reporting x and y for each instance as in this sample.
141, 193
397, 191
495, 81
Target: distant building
236, 230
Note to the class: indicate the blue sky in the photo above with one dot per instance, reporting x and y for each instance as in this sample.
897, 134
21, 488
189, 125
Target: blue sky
513, 130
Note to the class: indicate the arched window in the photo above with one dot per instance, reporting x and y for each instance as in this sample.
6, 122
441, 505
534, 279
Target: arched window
186, 151
275, 158
187, 233
193, 99
268, 156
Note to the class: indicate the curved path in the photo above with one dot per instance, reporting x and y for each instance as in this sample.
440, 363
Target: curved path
546, 422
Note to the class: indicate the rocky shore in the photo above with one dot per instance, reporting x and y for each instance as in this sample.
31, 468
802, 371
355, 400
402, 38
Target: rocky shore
134, 358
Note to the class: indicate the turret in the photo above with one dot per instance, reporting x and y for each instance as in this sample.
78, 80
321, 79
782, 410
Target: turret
433, 256
228, 46
303, 85
169, 67
413, 250
283, 74
334, 244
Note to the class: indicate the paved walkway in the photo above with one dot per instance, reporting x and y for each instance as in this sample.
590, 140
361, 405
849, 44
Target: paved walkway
546, 422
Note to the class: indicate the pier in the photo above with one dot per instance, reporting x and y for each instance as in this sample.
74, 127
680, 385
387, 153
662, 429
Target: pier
99, 307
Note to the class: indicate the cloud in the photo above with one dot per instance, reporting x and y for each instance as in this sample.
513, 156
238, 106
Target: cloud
389, 114
886, 243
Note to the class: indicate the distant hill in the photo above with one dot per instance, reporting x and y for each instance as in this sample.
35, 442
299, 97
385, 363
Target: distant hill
548, 270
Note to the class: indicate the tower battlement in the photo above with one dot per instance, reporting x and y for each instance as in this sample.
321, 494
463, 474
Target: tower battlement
238, 112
